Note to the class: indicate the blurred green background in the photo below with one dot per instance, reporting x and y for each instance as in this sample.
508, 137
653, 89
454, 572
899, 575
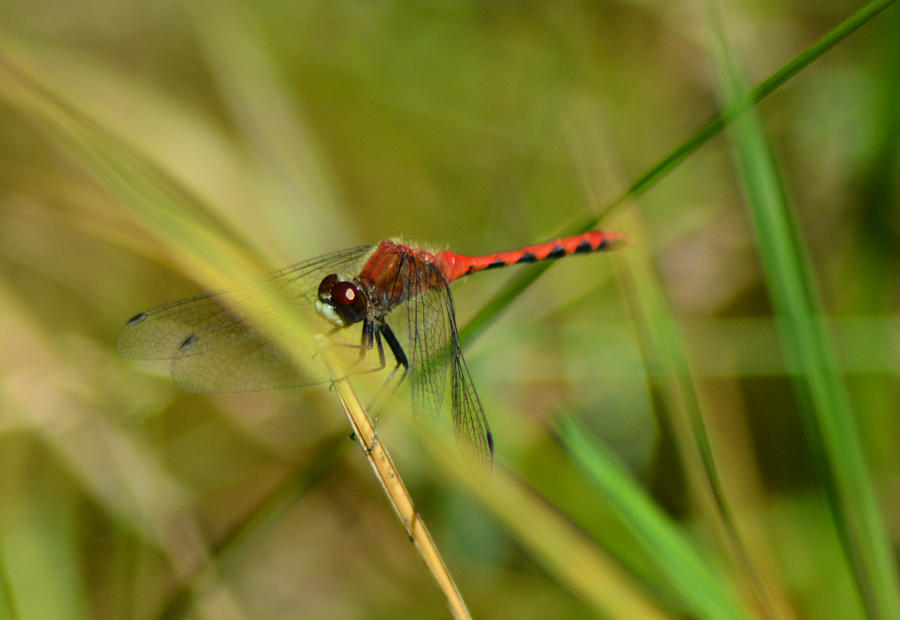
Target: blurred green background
657, 446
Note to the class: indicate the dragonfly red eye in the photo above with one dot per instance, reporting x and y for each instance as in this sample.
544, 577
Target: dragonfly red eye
344, 297
349, 301
344, 294
326, 287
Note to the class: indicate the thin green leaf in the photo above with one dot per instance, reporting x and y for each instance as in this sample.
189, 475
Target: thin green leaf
825, 408
703, 591
516, 285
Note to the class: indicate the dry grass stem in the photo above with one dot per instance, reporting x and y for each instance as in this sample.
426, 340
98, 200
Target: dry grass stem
393, 486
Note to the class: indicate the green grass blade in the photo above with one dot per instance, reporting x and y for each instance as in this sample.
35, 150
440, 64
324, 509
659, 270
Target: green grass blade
38, 552
516, 285
207, 247
705, 593
200, 240
825, 411
747, 101
671, 377
563, 550
153, 195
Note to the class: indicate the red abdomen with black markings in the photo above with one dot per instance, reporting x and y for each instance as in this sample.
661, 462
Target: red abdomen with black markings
455, 265
395, 272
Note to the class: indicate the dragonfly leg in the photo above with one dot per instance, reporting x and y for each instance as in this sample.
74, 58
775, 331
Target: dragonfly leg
361, 346
352, 437
396, 350
399, 357
368, 339
374, 440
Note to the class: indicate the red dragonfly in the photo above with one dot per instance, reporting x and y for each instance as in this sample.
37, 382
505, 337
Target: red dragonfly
214, 350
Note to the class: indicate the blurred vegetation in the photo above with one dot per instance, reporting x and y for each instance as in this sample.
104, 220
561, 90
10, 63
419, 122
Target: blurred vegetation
704, 424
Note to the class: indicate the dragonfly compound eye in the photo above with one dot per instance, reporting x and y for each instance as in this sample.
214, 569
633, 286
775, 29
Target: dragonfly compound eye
340, 302
344, 294
325, 288
348, 301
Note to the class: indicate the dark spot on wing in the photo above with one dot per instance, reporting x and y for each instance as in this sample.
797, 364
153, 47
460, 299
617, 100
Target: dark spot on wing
490, 440
137, 318
527, 257
188, 342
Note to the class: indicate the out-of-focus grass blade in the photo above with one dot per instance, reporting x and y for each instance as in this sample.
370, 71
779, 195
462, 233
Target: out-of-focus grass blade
207, 249
38, 551
205, 246
232, 548
299, 193
667, 365
519, 283
6, 610
202, 243
155, 198
705, 593
566, 553
825, 407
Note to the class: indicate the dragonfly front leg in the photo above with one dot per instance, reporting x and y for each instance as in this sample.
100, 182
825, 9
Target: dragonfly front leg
396, 350
368, 339
399, 357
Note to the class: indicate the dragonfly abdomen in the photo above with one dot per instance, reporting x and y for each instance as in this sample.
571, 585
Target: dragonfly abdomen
457, 265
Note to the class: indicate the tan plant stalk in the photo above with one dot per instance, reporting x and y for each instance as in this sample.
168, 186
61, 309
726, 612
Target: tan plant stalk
393, 486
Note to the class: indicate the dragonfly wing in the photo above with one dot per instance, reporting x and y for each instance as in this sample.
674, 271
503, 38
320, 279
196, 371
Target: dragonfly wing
159, 333
429, 343
435, 350
252, 365
212, 347
468, 414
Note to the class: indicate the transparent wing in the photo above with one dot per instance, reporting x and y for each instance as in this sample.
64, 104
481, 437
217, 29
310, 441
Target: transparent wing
213, 349
430, 350
435, 349
468, 414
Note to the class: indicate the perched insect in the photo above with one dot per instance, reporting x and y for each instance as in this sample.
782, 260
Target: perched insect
389, 288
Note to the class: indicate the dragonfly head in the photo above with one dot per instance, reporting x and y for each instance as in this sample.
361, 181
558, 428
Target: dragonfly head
340, 302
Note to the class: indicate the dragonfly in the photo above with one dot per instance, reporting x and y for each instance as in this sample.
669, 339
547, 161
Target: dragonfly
398, 294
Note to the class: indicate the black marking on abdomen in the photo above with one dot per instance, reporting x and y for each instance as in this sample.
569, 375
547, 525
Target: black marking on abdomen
495, 264
556, 252
137, 318
527, 257
188, 342
583, 247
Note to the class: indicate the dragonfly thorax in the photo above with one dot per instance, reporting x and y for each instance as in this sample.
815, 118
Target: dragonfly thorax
340, 302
